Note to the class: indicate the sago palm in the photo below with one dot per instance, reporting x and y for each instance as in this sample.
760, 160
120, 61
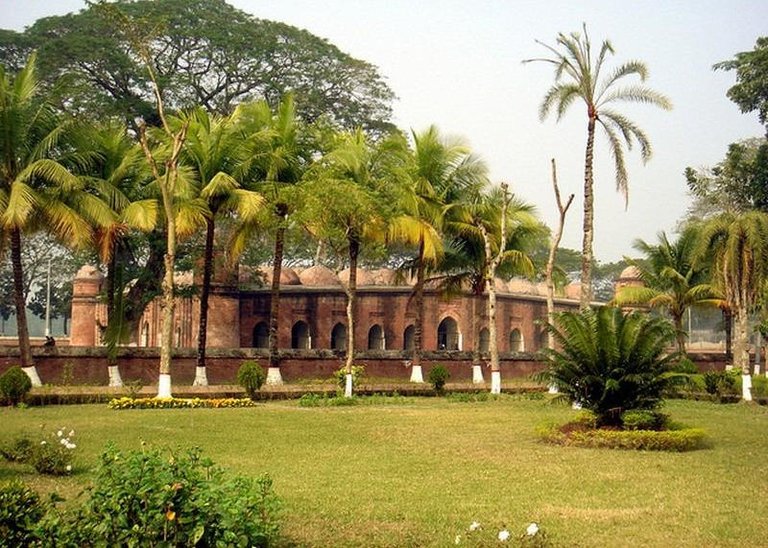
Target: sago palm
582, 76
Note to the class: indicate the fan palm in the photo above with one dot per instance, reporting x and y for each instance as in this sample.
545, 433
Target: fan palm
609, 362
674, 279
580, 76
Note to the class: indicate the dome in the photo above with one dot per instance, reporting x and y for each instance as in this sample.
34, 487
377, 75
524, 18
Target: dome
184, 278
501, 285
287, 276
319, 276
573, 290
631, 273
89, 272
383, 276
363, 277
541, 288
521, 285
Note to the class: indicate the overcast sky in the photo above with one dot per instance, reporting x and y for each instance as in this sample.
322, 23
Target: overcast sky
457, 64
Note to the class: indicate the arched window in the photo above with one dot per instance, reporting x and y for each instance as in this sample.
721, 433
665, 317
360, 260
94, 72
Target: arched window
516, 343
376, 340
144, 337
448, 336
300, 337
408, 337
261, 335
485, 340
339, 337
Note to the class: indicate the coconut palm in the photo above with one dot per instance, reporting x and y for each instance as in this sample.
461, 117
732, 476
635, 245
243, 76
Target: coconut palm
738, 244
441, 172
36, 190
580, 75
215, 150
674, 279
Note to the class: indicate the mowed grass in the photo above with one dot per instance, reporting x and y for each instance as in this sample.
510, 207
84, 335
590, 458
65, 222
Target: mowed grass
417, 474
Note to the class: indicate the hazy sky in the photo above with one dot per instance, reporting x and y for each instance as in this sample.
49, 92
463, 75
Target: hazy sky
457, 64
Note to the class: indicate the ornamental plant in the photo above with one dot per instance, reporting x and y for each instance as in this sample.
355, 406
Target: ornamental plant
251, 377
340, 375
610, 362
14, 385
20, 511
54, 454
437, 377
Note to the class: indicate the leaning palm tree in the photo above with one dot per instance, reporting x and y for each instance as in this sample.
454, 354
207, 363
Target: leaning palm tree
215, 150
674, 279
441, 172
37, 192
738, 244
579, 75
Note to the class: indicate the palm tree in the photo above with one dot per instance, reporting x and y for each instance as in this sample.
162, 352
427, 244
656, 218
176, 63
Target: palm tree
215, 150
346, 201
738, 244
441, 172
579, 75
277, 159
36, 191
674, 278
501, 227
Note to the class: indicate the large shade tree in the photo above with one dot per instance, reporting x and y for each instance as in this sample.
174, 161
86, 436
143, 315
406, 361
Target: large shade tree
750, 92
738, 244
581, 75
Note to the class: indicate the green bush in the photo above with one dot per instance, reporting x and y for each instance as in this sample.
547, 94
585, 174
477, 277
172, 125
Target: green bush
148, 498
19, 450
179, 403
14, 385
720, 383
437, 377
251, 377
340, 375
54, 456
642, 419
759, 386
20, 512
685, 365
684, 439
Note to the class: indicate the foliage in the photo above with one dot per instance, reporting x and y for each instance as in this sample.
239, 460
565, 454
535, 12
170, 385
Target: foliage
204, 52
750, 92
340, 375
720, 383
20, 512
251, 377
643, 419
19, 450
437, 377
686, 366
53, 455
148, 497
179, 403
14, 385
685, 439
609, 362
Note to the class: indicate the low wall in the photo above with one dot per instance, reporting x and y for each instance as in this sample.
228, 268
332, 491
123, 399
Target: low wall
87, 365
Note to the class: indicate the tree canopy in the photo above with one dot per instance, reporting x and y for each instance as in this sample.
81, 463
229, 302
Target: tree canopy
750, 92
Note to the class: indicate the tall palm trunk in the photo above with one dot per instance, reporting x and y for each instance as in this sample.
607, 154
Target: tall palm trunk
114, 317
589, 213
741, 350
25, 348
273, 375
201, 377
679, 333
477, 367
354, 251
728, 328
563, 210
418, 325
168, 300
492, 332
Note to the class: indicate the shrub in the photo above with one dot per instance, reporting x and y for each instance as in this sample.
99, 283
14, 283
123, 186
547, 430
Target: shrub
608, 361
437, 377
720, 383
14, 385
685, 365
684, 439
53, 456
340, 375
148, 498
179, 403
19, 450
20, 511
641, 419
251, 377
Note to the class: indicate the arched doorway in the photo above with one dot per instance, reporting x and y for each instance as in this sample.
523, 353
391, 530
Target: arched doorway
516, 342
339, 337
448, 336
300, 337
376, 340
484, 341
261, 335
408, 337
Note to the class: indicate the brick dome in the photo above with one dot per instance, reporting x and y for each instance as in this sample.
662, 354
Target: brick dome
363, 277
383, 276
89, 272
287, 276
319, 276
521, 286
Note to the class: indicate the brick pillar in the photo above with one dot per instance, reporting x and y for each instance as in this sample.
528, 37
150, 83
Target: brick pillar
85, 304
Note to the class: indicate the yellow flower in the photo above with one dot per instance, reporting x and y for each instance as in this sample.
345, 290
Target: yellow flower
170, 515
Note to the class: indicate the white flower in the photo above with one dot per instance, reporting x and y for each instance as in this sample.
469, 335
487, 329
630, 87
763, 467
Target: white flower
59, 433
64, 441
503, 535
71, 446
69, 467
532, 530
71, 433
457, 540
474, 526
43, 442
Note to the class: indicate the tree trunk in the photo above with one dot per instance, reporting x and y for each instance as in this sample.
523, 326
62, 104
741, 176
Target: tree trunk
114, 317
25, 348
494, 346
679, 333
563, 210
728, 328
354, 250
274, 376
201, 378
588, 226
416, 373
168, 305
741, 350
477, 366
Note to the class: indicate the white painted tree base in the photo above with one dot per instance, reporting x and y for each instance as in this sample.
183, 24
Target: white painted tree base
201, 378
114, 376
576, 405
477, 374
348, 385
164, 386
31, 372
274, 377
746, 387
495, 382
553, 389
416, 374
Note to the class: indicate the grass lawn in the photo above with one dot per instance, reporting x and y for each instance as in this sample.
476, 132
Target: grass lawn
417, 474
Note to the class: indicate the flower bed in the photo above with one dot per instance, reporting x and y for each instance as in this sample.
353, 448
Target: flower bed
179, 403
